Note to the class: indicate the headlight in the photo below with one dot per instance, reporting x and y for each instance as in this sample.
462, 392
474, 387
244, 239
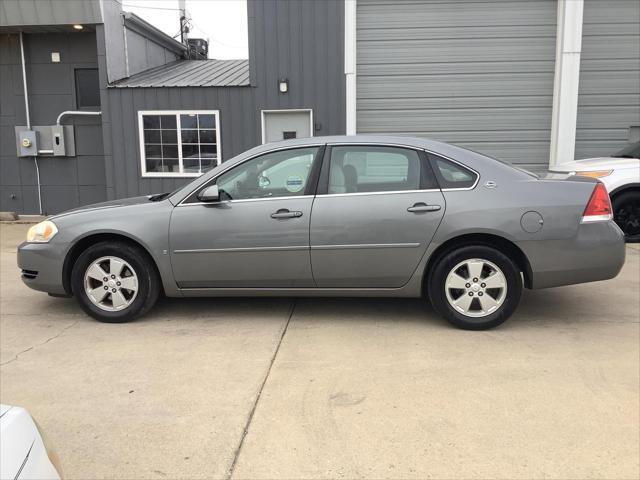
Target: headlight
42, 232
595, 173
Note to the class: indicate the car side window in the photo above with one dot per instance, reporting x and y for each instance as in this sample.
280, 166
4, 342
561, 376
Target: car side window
283, 173
451, 174
358, 169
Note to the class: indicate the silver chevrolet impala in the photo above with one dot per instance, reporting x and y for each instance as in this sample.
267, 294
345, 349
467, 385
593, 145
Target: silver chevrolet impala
335, 216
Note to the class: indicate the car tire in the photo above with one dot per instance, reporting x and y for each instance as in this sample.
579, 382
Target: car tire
459, 294
626, 213
130, 285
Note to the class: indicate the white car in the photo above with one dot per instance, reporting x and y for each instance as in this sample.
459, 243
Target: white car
620, 173
24, 453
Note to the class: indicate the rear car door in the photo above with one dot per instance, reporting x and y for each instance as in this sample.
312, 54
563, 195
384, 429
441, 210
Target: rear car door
375, 213
257, 235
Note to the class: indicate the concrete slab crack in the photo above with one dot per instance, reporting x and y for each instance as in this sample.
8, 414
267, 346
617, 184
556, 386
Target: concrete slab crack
40, 344
236, 454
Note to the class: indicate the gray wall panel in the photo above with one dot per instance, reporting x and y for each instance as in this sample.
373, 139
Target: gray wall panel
301, 41
609, 92
478, 73
143, 53
49, 12
51, 91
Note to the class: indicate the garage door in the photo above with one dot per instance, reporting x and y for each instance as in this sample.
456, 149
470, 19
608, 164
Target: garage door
609, 91
475, 73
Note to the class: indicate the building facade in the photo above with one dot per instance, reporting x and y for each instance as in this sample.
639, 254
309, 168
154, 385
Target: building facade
532, 82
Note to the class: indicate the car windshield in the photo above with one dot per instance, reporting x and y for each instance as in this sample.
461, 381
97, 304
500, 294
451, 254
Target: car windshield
630, 151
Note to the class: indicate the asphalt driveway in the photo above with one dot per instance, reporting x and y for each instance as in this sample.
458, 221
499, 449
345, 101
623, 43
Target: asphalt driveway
330, 388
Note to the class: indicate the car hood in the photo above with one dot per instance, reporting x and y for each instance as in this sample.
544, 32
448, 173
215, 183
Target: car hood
123, 202
600, 163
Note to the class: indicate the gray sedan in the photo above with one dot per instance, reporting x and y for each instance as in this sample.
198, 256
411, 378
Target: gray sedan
335, 216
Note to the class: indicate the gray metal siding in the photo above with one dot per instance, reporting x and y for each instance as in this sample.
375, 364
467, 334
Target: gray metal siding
67, 182
49, 12
143, 53
609, 90
239, 129
477, 73
302, 41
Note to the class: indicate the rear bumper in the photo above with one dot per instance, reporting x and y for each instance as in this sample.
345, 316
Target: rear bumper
596, 253
41, 265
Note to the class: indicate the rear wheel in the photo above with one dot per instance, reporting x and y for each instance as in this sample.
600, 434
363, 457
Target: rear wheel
114, 282
626, 213
475, 287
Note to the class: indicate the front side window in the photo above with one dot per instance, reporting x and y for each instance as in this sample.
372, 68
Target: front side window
452, 175
179, 143
361, 169
277, 174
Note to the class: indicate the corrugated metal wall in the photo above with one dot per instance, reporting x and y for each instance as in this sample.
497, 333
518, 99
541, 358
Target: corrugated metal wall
238, 130
302, 41
67, 182
474, 73
609, 91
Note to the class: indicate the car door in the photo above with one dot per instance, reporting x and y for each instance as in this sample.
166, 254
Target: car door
257, 234
375, 213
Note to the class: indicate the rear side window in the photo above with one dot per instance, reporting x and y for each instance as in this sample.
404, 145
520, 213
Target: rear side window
451, 174
363, 169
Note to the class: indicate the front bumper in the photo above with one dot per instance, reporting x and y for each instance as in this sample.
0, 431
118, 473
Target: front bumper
597, 252
41, 265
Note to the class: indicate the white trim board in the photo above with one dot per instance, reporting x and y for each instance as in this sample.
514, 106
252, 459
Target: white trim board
350, 51
564, 114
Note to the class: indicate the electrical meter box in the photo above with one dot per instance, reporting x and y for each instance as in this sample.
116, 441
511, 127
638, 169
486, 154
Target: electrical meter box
46, 141
27, 143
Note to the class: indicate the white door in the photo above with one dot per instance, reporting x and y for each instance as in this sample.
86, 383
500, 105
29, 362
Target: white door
286, 124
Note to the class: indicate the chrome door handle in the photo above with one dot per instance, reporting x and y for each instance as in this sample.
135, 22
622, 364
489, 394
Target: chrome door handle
284, 213
423, 207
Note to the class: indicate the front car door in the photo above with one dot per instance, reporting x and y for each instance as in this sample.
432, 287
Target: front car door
257, 235
375, 213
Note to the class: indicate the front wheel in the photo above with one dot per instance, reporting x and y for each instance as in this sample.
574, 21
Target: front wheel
114, 282
475, 287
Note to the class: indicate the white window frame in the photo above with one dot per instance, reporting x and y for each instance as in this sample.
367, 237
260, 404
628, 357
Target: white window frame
286, 110
176, 113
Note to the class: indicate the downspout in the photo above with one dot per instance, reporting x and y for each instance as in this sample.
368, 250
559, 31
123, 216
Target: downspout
26, 110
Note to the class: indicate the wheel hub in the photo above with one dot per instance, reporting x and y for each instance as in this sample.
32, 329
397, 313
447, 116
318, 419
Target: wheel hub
111, 283
476, 287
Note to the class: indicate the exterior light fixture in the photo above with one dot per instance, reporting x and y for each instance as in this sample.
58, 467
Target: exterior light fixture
283, 85
78, 27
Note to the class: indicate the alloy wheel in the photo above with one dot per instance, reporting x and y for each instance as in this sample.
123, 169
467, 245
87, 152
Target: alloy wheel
476, 287
110, 283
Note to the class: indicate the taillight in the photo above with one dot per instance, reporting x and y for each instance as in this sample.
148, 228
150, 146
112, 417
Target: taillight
599, 206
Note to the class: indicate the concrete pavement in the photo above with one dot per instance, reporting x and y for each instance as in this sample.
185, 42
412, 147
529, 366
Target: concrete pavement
330, 388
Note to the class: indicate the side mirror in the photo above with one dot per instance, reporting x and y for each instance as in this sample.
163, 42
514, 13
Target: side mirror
209, 194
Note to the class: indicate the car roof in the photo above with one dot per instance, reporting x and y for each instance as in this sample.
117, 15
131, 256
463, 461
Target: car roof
350, 139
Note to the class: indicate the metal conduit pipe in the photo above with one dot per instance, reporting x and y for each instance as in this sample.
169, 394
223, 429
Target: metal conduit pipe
75, 112
26, 110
